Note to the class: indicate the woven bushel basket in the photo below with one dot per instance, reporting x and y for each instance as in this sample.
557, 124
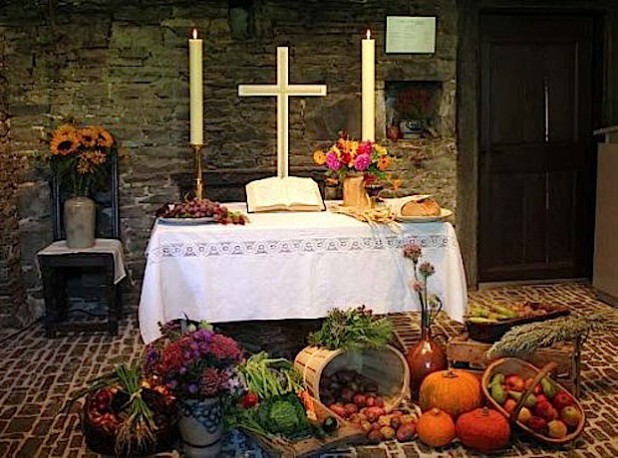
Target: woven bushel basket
385, 366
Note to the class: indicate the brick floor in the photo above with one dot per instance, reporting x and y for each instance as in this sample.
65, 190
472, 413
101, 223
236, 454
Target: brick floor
39, 375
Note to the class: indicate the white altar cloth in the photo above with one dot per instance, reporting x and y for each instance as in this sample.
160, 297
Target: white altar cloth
291, 265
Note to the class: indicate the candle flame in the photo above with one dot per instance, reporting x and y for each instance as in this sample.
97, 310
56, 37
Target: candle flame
195, 34
368, 34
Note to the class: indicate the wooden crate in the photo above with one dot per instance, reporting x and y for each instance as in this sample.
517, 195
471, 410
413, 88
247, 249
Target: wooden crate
469, 354
346, 435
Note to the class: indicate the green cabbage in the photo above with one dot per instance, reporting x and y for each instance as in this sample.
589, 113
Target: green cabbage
283, 415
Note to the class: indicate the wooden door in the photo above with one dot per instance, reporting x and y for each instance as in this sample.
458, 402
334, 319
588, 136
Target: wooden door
537, 160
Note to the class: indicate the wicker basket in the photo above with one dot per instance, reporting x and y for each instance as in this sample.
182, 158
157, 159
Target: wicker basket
525, 370
385, 366
103, 441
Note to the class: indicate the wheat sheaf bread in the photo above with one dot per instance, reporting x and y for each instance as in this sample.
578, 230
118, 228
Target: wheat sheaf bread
422, 207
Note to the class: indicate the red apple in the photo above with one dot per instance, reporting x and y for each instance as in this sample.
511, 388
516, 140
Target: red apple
545, 410
515, 383
541, 397
370, 401
562, 400
571, 415
537, 424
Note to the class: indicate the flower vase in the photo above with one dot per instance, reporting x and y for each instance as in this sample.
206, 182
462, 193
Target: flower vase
79, 222
425, 357
354, 193
201, 427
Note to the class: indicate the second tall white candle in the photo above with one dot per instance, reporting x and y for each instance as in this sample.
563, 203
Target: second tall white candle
368, 88
196, 90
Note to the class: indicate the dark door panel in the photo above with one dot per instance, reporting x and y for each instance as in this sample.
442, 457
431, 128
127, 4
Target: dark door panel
537, 152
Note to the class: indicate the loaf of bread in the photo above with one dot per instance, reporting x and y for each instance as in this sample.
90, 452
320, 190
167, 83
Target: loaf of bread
422, 207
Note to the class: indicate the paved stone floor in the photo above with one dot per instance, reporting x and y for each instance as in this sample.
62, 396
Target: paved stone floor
38, 375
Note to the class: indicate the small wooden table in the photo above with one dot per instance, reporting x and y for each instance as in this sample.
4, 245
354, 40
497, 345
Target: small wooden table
58, 262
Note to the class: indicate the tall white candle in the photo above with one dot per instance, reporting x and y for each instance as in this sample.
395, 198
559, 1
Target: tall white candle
196, 90
368, 88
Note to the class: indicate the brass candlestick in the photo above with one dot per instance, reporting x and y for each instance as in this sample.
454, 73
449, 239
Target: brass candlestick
199, 183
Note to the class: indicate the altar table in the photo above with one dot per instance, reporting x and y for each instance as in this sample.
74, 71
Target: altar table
291, 266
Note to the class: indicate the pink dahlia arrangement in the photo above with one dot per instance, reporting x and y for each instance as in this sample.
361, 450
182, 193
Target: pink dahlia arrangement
193, 361
348, 156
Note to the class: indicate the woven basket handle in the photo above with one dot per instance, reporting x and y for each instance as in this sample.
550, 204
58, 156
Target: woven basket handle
535, 381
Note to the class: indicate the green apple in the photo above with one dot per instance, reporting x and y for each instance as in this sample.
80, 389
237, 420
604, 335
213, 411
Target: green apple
571, 415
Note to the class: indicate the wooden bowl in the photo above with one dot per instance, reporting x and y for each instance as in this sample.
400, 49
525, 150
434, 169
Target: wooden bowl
492, 332
525, 370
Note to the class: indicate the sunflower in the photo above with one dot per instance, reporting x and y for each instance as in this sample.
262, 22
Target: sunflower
84, 166
383, 162
94, 157
104, 138
64, 130
87, 136
319, 157
63, 142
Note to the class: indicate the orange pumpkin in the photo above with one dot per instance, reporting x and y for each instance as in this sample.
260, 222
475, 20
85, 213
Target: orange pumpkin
454, 391
483, 429
435, 428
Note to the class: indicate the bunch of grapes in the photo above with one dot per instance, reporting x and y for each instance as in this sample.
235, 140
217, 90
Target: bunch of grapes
204, 208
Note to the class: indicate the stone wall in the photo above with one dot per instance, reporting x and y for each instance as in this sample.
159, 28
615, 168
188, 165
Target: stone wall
12, 291
124, 65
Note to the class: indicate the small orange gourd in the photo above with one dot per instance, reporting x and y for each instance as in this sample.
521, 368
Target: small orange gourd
484, 430
454, 391
435, 428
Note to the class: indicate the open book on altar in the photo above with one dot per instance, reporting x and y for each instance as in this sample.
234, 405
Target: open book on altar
284, 194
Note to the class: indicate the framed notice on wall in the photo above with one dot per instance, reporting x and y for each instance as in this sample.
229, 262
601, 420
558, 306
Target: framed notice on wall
410, 34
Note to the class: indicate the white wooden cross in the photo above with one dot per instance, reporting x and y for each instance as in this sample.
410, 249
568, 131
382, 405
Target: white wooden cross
282, 90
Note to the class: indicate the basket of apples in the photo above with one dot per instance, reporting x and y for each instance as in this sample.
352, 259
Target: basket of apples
533, 401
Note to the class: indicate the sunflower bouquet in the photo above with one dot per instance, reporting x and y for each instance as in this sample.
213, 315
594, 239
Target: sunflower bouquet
347, 156
80, 157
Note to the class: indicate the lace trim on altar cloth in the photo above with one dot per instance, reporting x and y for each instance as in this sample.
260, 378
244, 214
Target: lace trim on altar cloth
291, 246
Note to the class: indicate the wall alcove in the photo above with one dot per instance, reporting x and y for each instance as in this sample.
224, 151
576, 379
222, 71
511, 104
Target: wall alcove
412, 108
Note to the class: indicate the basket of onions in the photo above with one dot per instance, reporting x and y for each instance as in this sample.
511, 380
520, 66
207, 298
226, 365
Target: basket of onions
124, 415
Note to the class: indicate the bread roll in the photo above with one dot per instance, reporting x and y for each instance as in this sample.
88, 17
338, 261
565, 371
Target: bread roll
424, 207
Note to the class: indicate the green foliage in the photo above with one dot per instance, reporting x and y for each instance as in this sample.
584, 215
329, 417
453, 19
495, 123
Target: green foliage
268, 377
352, 329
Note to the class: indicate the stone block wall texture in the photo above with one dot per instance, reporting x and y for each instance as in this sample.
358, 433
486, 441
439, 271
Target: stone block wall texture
12, 291
124, 65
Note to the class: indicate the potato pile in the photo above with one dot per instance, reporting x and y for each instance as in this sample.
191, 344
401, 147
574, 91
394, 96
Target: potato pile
355, 398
